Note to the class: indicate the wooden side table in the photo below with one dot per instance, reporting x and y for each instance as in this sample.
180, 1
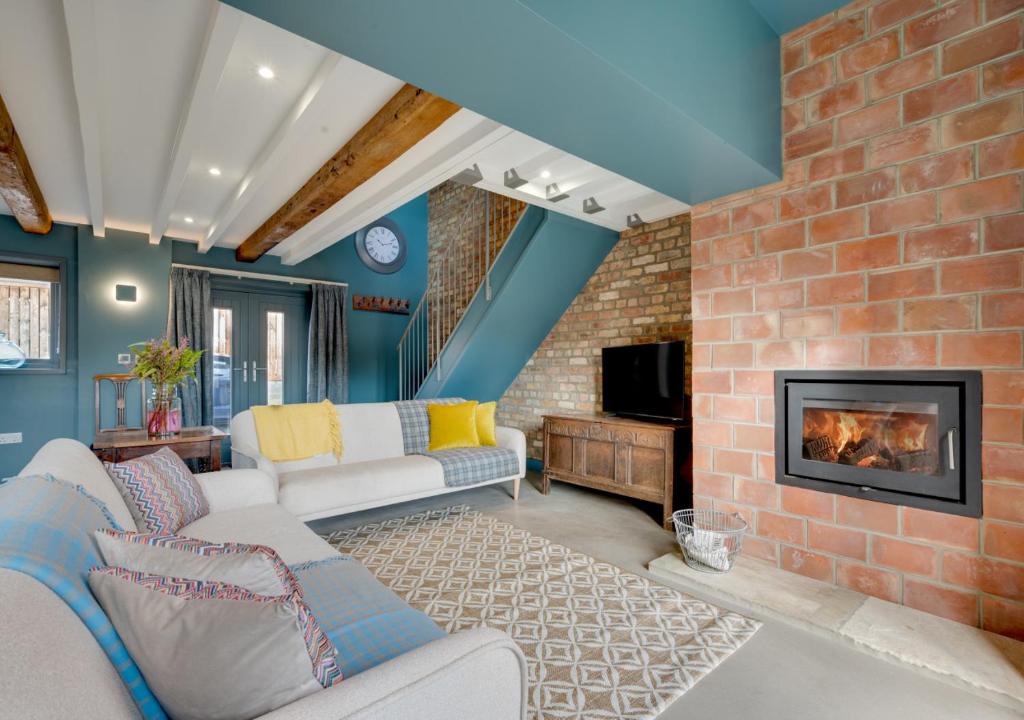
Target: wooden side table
201, 443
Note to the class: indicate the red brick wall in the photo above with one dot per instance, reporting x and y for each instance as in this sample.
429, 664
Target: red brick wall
640, 293
895, 240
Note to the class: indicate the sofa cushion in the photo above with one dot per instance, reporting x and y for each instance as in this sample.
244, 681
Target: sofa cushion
270, 525
75, 463
485, 423
463, 467
372, 431
213, 651
369, 431
46, 527
416, 422
257, 568
367, 623
452, 425
308, 492
159, 490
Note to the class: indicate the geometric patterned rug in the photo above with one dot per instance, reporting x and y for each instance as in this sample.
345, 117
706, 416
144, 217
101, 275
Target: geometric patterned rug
599, 642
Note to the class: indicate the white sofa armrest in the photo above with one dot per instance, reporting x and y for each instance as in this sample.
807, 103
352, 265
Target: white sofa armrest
479, 673
230, 489
513, 439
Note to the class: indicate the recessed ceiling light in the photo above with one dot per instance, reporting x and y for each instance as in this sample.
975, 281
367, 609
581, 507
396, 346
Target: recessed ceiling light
189, 219
545, 174
214, 171
265, 72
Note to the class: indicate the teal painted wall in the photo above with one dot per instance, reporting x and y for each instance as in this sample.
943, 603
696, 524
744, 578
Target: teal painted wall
40, 406
786, 15
699, 56
373, 375
43, 407
680, 95
107, 327
561, 255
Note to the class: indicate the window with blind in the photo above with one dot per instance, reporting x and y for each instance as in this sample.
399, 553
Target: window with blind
32, 309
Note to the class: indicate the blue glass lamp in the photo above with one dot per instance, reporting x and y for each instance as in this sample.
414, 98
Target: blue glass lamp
11, 356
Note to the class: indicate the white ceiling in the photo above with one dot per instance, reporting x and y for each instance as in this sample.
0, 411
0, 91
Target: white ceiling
123, 106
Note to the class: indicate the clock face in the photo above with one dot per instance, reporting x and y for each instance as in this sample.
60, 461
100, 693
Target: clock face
382, 244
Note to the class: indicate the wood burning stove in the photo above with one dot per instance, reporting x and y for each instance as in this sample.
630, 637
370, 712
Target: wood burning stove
906, 438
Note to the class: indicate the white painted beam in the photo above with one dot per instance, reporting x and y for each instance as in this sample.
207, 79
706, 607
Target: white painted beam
379, 196
270, 157
221, 32
80, 20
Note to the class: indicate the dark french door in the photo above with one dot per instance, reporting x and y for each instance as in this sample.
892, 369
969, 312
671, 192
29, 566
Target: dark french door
259, 350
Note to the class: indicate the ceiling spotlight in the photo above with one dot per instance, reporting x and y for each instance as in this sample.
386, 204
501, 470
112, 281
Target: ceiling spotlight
469, 176
189, 219
591, 206
215, 171
512, 179
634, 220
553, 194
545, 174
265, 72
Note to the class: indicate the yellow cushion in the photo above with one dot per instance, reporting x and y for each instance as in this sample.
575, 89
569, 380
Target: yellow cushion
485, 423
452, 426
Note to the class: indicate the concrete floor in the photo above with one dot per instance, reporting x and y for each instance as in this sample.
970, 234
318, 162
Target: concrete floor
783, 673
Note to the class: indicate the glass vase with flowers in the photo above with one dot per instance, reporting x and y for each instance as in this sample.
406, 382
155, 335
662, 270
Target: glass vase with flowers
164, 366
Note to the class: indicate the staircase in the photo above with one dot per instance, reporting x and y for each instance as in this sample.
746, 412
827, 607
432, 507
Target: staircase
461, 269
493, 297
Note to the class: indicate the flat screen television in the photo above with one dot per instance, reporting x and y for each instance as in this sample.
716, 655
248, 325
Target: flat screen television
645, 380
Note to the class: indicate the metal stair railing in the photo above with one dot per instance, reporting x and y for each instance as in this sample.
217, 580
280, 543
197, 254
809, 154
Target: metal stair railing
461, 269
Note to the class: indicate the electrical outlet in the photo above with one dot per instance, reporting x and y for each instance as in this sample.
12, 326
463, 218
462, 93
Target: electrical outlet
124, 358
10, 438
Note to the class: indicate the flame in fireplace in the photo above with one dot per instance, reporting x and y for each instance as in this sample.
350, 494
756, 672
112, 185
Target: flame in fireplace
902, 441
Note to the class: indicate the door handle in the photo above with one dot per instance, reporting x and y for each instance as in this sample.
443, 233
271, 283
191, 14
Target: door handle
245, 371
254, 369
951, 447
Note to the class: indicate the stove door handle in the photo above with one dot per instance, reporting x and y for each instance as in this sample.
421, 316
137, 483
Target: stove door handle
951, 445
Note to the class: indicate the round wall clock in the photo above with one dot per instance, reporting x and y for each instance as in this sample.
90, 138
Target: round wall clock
381, 246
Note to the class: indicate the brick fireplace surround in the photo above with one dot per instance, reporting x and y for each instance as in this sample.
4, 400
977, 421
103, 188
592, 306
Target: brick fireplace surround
895, 240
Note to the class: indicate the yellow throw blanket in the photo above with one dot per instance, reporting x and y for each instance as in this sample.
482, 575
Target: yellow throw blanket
297, 432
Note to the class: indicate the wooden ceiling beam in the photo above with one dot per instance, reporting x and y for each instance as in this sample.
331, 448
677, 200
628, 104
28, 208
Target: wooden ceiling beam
405, 119
18, 185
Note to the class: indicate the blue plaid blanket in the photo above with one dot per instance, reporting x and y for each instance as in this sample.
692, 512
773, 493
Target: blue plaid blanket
416, 423
469, 466
46, 528
366, 622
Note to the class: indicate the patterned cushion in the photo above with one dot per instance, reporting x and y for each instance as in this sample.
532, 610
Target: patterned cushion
416, 423
205, 647
256, 568
160, 491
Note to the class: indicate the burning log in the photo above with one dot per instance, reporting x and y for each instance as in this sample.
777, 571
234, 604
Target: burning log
853, 452
917, 461
820, 448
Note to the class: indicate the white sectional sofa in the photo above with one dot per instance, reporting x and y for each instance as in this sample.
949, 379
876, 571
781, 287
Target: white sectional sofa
375, 469
53, 667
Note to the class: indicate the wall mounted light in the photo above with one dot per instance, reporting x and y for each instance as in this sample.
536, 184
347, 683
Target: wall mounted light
126, 293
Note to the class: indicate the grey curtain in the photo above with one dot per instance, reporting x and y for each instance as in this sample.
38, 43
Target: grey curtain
191, 316
328, 345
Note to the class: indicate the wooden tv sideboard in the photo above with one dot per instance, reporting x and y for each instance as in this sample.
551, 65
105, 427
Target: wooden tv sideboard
643, 460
